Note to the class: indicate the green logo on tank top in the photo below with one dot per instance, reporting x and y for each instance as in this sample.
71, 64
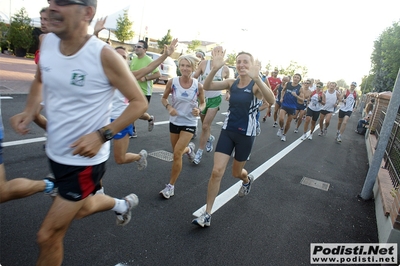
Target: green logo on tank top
78, 78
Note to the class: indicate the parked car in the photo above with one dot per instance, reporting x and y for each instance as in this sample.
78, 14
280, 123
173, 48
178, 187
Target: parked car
167, 68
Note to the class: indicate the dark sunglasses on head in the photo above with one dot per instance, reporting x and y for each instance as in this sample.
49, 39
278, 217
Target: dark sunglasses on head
68, 2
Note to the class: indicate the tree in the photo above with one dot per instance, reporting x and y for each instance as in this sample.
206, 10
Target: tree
231, 60
20, 32
342, 83
166, 40
193, 46
124, 30
385, 58
366, 84
294, 68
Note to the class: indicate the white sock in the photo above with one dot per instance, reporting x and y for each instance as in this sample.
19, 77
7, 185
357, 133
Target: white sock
120, 206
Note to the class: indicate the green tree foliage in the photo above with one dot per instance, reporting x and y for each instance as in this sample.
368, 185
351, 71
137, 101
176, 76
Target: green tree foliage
193, 46
293, 68
385, 59
20, 32
124, 30
231, 59
366, 83
342, 83
166, 40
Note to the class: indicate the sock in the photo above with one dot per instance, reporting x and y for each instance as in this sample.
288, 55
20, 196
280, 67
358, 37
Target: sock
120, 206
49, 185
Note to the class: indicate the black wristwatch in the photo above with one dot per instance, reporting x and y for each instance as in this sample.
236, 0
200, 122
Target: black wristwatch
106, 133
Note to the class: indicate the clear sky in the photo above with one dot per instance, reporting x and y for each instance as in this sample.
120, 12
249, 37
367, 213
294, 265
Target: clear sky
333, 39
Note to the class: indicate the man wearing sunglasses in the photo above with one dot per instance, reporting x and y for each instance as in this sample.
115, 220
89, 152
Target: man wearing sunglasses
146, 83
77, 72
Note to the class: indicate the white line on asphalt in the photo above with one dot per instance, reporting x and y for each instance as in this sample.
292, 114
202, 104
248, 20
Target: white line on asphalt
24, 141
231, 192
6, 98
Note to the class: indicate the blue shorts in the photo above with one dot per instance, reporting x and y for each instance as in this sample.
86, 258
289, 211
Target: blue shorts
289, 111
229, 140
1, 151
301, 106
128, 130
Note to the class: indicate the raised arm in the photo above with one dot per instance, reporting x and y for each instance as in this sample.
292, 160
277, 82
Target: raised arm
218, 61
168, 51
261, 88
99, 26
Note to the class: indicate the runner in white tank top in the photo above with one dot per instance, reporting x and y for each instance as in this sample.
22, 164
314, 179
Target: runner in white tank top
213, 101
187, 101
333, 98
75, 72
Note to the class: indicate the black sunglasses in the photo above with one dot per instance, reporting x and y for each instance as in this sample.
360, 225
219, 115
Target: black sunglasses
68, 2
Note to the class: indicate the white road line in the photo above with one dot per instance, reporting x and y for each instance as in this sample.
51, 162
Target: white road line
24, 141
231, 192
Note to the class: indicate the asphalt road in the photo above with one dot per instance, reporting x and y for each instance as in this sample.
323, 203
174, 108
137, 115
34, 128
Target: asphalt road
274, 225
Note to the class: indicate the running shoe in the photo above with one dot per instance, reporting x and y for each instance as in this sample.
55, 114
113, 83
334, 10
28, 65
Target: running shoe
279, 133
168, 191
197, 158
209, 144
191, 154
151, 123
321, 133
296, 130
339, 138
245, 188
310, 137
123, 218
203, 220
283, 138
134, 135
264, 119
258, 129
325, 131
142, 163
275, 124
304, 136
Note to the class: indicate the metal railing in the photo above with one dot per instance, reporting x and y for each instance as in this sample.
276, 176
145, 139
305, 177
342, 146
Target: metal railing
392, 152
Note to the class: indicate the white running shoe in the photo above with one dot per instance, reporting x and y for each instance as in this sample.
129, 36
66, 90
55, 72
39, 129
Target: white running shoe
203, 220
296, 130
197, 158
310, 137
123, 218
245, 188
191, 154
279, 133
275, 124
339, 138
304, 136
142, 163
209, 144
151, 123
283, 138
168, 191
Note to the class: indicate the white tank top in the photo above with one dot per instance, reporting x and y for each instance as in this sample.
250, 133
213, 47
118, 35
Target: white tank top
330, 101
314, 104
217, 77
78, 97
184, 100
119, 104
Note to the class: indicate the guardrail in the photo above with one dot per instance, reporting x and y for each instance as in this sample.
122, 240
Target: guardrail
392, 152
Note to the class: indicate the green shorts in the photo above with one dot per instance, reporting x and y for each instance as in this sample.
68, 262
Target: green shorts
212, 103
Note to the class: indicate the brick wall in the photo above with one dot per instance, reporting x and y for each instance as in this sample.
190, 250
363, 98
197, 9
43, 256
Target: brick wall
381, 103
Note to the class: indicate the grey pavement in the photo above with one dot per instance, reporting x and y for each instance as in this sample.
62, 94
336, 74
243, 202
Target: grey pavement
274, 225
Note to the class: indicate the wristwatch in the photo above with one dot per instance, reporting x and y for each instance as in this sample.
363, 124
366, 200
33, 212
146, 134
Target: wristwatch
106, 133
